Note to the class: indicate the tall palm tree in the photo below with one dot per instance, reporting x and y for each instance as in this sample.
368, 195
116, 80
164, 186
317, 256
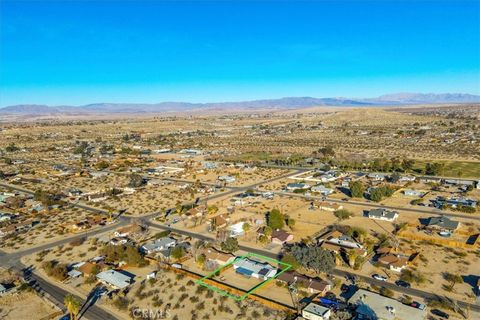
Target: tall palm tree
72, 305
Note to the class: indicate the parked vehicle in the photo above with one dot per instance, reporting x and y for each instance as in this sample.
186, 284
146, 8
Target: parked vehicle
418, 305
440, 313
379, 277
402, 283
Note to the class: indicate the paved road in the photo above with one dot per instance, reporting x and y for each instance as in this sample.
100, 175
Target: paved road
96, 313
432, 211
336, 272
55, 293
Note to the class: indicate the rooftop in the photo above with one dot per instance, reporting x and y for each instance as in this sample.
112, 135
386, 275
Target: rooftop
379, 307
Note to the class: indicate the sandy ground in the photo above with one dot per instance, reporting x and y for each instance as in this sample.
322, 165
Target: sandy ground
14, 307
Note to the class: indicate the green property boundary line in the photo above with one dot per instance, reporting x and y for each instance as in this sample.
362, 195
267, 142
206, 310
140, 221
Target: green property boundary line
252, 290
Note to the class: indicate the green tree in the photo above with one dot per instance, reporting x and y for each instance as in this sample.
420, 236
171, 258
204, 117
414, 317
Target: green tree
178, 252
201, 259
434, 169
313, 258
343, 214
289, 259
245, 228
356, 189
275, 219
230, 245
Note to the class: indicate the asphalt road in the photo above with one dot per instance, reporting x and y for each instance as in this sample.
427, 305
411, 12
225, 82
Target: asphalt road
96, 313
336, 272
57, 295
432, 211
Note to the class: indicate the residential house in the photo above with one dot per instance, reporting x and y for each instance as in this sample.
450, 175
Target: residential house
371, 305
236, 229
90, 268
115, 279
118, 241
413, 193
6, 288
220, 221
407, 179
129, 231
377, 176
255, 269
393, 262
459, 182
218, 257
458, 202
382, 214
441, 223
74, 192
426, 179
297, 186
324, 191
158, 245
310, 285
281, 236
315, 311
336, 242
226, 179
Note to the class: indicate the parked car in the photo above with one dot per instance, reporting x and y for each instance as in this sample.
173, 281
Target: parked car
440, 313
402, 283
418, 305
379, 277
331, 296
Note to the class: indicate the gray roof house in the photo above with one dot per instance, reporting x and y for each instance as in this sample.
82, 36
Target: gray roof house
255, 269
413, 193
382, 214
322, 190
159, 245
115, 279
441, 222
374, 306
315, 311
297, 185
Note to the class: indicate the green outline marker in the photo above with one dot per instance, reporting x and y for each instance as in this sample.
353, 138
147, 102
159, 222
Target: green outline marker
249, 292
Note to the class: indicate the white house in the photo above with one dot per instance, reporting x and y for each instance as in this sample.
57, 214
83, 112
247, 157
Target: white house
315, 311
115, 279
255, 269
324, 191
236, 229
413, 193
159, 245
228, 179
383, 214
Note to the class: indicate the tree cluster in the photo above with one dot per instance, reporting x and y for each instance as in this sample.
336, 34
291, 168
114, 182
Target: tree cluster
313, 258
127, 253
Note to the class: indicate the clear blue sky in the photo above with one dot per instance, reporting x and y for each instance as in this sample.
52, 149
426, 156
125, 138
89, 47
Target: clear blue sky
65, 52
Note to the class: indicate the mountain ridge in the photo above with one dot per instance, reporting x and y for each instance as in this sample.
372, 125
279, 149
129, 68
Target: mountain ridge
402, 98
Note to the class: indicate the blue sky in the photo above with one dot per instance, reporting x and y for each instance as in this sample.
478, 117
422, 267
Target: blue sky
66, 52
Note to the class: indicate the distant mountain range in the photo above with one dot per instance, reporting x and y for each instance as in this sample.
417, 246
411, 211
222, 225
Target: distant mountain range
279, 104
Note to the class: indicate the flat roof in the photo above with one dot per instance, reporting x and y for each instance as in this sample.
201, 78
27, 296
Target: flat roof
316, 309
379, 307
